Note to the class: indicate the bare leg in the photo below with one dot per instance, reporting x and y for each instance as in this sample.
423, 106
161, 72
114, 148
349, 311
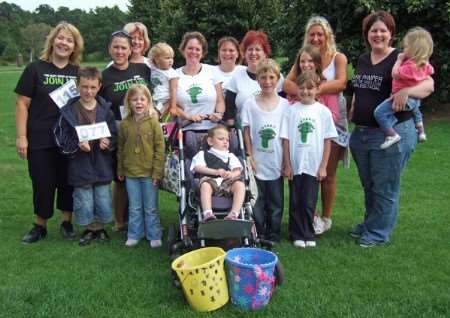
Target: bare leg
41, 221
238, 191
206, 192
328, 186
66, 216
120, 200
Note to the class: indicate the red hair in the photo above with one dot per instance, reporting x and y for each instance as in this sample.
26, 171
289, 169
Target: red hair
259, 37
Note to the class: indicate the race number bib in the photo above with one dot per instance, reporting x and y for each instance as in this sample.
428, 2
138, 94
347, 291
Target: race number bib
167, 128
93, 132
64, 93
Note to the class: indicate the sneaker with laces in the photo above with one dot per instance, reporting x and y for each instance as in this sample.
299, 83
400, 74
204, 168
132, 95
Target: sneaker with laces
66, 230
155, 243
299, 243
390, 140
326, 224
310, 243
37, 233
422, 137
318, 225
102, 235
131, 242
87, 237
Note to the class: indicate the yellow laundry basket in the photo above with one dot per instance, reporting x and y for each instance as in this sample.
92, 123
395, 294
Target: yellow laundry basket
202, 275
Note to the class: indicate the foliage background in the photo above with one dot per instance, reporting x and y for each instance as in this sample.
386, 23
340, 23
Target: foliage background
284, 20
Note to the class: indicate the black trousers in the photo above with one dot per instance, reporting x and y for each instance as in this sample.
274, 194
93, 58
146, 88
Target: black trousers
268, 209
303, 199
48, 173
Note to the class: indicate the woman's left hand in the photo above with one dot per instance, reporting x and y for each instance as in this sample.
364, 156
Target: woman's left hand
399, 100
215, 117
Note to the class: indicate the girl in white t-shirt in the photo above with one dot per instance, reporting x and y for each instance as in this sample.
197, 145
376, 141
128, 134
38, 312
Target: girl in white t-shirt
164, 78
307, 129
261, 118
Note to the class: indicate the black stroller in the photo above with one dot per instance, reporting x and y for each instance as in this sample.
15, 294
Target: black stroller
192, 233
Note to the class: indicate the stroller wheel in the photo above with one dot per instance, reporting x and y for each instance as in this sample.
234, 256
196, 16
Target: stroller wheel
279, 273
172, 236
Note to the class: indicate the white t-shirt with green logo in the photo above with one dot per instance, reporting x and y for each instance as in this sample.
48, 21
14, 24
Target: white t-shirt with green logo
197, 94
306, 127
245, 87
265, 135
160, 83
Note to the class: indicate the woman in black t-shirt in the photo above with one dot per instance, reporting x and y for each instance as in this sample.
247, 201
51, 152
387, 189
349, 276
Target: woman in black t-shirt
117, 78
380, 170
36, 114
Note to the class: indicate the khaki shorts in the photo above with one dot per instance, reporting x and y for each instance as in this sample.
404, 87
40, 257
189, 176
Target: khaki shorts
224, 190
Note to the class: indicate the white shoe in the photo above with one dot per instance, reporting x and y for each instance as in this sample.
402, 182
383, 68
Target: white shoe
131, 242
299, 243
155, 243
389, 141
318, 225
326, 224
310, 243
422, 137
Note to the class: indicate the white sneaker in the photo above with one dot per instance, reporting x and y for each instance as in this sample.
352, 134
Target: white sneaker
389, 141
131, 242
299, 243
155, 243
310, 243
318, 225
327, 222
422, 137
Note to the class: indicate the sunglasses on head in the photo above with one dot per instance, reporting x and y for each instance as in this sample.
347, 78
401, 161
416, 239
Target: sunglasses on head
121, 33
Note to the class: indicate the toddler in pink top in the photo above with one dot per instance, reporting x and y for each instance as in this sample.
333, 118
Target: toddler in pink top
411, 68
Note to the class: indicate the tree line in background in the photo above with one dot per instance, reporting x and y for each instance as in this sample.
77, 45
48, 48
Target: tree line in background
284, 21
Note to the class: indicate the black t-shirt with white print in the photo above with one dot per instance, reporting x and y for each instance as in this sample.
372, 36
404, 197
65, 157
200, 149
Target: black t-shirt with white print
372, 84
37, 81
116, 83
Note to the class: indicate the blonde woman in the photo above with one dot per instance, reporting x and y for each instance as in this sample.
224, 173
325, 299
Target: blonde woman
36, 114
319, 33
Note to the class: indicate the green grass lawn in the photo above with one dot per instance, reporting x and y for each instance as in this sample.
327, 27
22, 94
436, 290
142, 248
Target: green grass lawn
408, 278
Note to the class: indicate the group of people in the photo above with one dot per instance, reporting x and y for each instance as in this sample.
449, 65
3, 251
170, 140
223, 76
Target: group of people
302, 137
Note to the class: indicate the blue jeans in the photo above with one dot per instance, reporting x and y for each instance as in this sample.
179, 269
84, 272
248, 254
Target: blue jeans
92, 203
385, 115
379, 172
143, 209
268, 208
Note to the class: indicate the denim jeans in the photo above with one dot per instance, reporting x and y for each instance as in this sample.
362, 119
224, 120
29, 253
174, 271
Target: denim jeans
268, 208
92, 203
143, 209
385, 115
380, 172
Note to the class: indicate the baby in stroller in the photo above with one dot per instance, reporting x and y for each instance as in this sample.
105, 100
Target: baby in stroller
220, 174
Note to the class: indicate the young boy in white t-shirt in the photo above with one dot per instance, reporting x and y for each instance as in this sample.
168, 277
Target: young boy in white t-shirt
306, 130
219, 171
261, 118
164, 78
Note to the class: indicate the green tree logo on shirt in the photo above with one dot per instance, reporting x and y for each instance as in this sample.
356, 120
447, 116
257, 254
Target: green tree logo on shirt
194, 91
156, 81
266, 134
305, 127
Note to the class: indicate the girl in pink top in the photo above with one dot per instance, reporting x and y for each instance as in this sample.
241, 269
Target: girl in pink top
411, 68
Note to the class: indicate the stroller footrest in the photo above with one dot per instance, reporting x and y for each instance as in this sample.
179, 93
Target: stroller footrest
220, 229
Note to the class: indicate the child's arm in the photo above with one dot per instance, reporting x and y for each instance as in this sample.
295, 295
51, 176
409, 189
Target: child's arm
159, 148
248, 147
421, 90
120, 146
173, 84
209, 171
287, 169
322, 173
398, 63
289, 86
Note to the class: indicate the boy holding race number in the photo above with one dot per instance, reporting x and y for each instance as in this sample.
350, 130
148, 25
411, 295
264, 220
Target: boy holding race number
86, 132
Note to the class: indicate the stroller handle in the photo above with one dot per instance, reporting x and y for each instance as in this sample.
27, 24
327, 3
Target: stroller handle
183, 123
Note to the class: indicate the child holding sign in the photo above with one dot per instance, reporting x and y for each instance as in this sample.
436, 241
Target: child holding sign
86, 132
